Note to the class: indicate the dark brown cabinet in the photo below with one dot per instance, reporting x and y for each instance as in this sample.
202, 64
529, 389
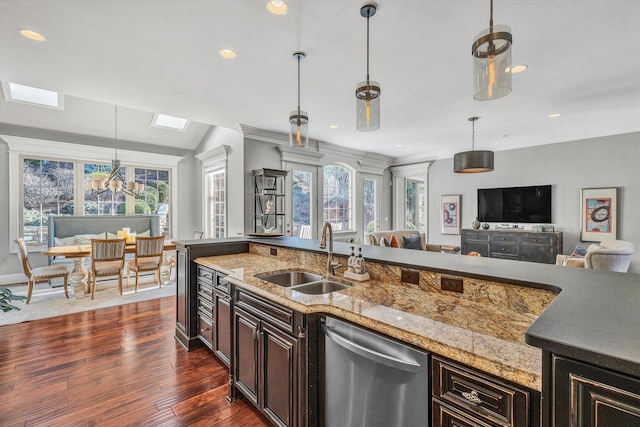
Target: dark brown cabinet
584, 395
267, 357
466, 397
222, 331
518, 245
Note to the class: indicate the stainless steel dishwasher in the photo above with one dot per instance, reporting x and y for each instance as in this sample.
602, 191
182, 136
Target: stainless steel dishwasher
371, 380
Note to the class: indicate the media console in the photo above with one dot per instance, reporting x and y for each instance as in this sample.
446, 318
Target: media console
517, 245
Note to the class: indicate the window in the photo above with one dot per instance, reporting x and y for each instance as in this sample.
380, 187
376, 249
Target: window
414, 198
216, 203
301, 203
336, 201
155, 197
369, 205
47, 189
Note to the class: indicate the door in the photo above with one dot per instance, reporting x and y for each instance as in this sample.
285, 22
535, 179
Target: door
278, 374
246, 367
302, 190
223, 326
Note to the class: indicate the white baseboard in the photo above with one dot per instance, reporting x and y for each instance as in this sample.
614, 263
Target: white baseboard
12, 279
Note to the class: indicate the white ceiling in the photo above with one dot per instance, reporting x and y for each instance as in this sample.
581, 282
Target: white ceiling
161, 56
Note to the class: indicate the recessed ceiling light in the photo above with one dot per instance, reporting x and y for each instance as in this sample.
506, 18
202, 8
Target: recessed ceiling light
554, 115
31, 95
399, 145
170, 122
228, 53
277, 7
333, 126
32, 35
517, 69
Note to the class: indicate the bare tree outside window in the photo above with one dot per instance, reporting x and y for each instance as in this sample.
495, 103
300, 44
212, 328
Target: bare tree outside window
336, 203
47, 190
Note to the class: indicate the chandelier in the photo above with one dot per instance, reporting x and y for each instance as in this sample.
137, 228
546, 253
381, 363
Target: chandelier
103, 181
474, 161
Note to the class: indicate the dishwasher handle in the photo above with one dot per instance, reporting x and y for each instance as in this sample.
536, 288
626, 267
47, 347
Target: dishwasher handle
385, 359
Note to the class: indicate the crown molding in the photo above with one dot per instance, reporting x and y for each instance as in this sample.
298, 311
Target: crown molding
214, 157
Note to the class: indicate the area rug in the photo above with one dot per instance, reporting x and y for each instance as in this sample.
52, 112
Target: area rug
49, 302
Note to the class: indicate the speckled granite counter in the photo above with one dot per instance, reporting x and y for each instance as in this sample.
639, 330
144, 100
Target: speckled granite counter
484, 327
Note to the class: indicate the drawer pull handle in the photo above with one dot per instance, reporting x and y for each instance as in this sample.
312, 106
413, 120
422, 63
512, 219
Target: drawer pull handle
472, 397
204, 329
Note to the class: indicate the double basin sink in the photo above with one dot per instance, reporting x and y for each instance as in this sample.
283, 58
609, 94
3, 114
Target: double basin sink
303, 282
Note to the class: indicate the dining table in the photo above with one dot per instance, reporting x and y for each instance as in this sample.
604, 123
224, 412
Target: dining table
78, 253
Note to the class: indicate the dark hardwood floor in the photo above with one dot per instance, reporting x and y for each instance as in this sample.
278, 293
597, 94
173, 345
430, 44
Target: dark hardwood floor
115, 366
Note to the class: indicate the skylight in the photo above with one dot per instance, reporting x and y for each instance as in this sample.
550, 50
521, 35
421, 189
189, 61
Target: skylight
170, 122
32, 95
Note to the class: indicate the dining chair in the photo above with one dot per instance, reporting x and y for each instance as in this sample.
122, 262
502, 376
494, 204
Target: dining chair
198, 234
107, 259
39, 273
149, 254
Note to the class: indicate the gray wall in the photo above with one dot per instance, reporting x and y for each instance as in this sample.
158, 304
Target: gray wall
598, 162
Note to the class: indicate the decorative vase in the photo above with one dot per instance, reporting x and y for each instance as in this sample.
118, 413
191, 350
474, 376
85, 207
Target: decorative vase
485, 226
475, 224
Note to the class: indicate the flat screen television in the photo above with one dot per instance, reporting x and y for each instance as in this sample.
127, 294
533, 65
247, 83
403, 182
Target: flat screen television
515, 204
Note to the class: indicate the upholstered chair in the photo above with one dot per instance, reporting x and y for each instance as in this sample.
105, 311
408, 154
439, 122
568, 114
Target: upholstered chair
39, 273
611, 255
107, 259
149, 254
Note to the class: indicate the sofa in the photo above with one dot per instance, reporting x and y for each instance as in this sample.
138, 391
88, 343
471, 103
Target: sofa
65, 230
375, 239
611, 255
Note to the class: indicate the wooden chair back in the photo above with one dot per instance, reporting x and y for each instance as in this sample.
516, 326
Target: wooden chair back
23, 255
150, 247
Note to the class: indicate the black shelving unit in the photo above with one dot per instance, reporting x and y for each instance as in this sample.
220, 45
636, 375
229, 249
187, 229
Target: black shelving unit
269, 197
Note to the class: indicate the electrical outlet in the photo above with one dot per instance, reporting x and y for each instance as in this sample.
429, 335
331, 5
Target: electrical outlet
451, 284
273, 251
409, 276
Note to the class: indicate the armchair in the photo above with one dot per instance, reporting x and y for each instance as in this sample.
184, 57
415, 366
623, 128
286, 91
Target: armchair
612, 255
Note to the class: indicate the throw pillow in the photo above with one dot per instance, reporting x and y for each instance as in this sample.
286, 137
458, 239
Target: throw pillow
579, 251
373, 240
146, 233
412, 242
384, 242
65, 241
393, 241
85, 239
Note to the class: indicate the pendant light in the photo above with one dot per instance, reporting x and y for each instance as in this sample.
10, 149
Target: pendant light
299, 133
491, 52
368, 91
473, 161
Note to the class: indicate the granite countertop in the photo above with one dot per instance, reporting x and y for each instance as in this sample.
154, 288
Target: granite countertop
477, 332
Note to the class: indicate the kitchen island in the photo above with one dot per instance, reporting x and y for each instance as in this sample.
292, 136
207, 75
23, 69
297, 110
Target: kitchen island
486, 327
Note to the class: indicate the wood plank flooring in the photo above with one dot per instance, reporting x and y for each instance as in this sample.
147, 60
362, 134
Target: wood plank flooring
116, 366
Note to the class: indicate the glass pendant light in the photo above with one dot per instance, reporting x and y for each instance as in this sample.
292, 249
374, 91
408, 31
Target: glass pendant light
368, 91
491, 52
299, 133
473, 161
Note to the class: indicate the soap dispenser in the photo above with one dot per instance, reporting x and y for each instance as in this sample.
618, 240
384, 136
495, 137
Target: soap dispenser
360, 267
351, 263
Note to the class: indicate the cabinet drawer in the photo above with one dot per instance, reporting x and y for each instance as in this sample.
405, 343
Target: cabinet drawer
205, 305
504, 238
542, 240
205, 290
481, 247
222, 285
489, 399
276, 314
446, 416
205, 274
205, 330
480, 237
499, 249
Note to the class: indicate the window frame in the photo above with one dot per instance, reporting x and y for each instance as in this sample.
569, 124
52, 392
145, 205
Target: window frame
352, 207
21, 147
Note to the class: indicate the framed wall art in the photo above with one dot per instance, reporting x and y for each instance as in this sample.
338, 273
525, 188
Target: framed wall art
450, 214
598, 214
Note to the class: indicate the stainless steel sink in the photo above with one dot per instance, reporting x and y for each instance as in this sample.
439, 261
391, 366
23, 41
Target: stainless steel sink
290, 278
320, 287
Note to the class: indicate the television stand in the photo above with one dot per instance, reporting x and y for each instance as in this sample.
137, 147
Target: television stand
519, 245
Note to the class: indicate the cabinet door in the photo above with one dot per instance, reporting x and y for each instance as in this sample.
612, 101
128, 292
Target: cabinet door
534, 253
278, 374
588, 396
446, 416
182, 308
223, 327
246, 354
480, 247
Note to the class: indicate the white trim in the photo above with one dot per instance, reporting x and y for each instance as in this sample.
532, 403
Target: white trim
297, 155
372, 166
399, 175
212, 161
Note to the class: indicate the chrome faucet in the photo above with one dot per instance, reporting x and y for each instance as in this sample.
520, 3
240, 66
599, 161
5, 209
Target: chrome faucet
331, 264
